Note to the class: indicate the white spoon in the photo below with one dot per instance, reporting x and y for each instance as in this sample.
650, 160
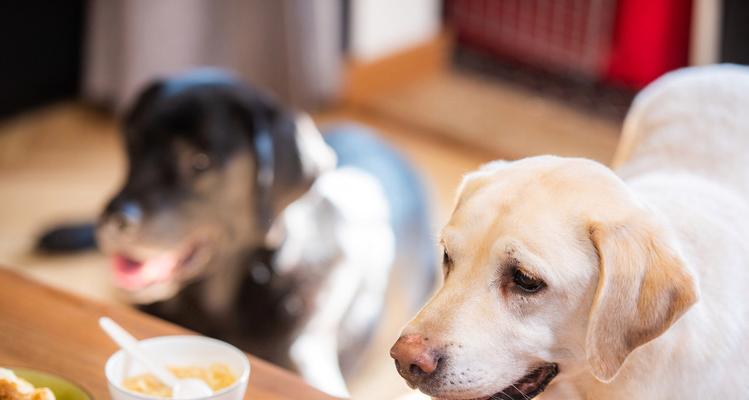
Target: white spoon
181, 388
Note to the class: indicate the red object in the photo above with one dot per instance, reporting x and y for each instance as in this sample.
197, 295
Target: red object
565, 36
651, 37
624, 42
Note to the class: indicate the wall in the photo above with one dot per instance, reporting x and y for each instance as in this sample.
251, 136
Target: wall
382, 27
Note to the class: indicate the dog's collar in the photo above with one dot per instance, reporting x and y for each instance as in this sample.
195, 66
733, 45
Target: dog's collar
265, 176
315, 158
265, 158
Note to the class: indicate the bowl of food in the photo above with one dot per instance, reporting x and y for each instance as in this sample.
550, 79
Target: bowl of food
30, 384
223, 367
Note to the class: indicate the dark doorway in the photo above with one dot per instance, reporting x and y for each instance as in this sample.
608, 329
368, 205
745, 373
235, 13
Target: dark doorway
40, 52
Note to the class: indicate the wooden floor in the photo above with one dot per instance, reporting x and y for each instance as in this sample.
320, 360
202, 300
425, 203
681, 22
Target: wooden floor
58, 164
61, 164
504, 120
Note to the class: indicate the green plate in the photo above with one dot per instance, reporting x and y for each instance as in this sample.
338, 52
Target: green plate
61, 387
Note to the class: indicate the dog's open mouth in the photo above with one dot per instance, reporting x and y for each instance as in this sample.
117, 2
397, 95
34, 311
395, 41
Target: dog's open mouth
529, 386
132, 274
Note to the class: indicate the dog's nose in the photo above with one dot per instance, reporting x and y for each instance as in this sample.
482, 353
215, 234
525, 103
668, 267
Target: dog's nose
124, 215
414, 358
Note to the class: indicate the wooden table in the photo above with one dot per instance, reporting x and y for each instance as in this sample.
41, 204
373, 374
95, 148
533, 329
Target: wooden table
50, 330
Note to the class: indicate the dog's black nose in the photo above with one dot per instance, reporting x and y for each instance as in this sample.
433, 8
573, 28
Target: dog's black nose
414, 358
124, 215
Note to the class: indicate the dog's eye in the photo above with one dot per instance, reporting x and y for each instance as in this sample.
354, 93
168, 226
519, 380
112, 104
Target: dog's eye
526, 282
200, 162
447, 262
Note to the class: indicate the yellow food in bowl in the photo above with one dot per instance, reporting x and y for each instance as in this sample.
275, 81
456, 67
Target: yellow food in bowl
15, 388
216, 376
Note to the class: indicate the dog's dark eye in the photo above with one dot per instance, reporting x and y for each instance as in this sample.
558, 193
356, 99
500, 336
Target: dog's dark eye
447, 262
526, 282
200, 162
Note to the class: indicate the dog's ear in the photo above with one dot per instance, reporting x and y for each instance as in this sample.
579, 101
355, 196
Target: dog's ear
300, 156
643, 289
289, 150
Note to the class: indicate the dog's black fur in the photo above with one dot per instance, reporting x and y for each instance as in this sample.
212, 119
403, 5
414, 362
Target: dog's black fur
219, 118
258, 320
223, 119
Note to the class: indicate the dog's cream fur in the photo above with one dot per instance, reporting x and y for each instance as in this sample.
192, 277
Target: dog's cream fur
647, 266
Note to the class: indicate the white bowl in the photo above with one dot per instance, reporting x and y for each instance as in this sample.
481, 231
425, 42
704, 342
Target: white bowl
180, 351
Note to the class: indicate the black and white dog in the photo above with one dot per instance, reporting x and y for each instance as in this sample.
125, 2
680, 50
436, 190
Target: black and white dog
241, 221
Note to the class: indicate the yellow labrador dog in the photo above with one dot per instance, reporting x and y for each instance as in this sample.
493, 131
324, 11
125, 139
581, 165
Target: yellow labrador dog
565, 277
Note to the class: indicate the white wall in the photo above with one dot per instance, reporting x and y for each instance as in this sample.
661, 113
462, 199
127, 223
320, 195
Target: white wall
381, 27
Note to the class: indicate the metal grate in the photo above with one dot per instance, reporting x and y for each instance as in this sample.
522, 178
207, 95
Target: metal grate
568, 36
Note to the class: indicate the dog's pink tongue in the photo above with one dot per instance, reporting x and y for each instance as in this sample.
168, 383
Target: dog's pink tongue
132, 275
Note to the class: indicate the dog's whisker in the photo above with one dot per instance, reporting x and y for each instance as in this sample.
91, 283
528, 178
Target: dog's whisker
501, 396
520, 391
